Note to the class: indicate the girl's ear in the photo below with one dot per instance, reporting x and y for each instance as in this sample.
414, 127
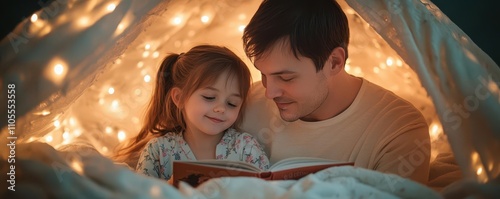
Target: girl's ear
176, 95
335, 62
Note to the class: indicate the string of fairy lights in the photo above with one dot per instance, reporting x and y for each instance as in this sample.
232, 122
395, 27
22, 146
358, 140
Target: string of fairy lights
110, 112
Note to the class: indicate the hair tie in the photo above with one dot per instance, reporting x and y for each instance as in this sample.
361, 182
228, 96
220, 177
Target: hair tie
168, 72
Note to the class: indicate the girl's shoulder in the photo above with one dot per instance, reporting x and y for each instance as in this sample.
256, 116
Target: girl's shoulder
233, 135
169, 137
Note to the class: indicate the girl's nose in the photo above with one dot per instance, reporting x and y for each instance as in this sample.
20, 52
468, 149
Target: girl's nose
219, 108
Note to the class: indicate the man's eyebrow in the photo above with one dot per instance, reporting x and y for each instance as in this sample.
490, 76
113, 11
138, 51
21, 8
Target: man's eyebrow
215, 89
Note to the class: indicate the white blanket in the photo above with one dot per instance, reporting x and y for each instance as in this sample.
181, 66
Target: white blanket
81, 172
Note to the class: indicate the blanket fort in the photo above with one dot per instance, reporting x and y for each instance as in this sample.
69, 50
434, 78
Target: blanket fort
82, 70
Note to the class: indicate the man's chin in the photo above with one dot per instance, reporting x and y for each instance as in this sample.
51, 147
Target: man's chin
288, 117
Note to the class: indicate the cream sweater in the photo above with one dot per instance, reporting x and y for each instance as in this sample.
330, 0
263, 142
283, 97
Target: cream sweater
378, 131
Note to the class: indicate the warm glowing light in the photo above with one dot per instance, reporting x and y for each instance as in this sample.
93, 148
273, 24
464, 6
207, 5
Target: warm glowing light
357, 70
389, 61
347, 67
147, 47
57, 123
118, 61
376, 70
45, 30
177, 20
135, 120
205, 19
49, 138
241, 28
350, 11
147, 78
42, 113
493, 87
479, 171
108, 130
77, 166
399, 63
121, 135
34, 18
83, 21
77, 132
122, 26
382, 66
137, 91
105, 149
101, 101
156, 54
434, 131
56, 70
140, 64
72, 121
115, 104
111, 90
59, 69
111, 7
145, 54
474, 157
65, 135
242, 17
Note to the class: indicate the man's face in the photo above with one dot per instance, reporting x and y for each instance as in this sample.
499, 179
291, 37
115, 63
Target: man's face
294, 85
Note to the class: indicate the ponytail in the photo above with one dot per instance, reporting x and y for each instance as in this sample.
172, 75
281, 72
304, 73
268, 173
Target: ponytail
160, 108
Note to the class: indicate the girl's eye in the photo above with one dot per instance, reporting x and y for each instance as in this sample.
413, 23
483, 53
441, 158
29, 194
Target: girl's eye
208, 98
232, 105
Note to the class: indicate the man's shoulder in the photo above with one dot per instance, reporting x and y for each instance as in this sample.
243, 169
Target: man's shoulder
389, 102
379, 93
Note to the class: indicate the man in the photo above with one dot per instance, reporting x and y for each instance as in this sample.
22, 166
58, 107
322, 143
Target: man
308, 105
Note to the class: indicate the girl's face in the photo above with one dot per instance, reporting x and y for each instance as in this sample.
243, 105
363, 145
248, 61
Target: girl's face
212, 109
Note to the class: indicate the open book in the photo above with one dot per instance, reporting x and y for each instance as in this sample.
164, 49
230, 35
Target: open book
196, 172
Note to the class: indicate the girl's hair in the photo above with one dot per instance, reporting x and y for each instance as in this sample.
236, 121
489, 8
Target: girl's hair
189, 71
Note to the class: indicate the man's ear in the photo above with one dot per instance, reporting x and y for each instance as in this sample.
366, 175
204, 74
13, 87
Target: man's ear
336, 61
176, 96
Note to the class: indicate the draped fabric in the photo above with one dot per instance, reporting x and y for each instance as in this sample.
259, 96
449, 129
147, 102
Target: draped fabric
83, 70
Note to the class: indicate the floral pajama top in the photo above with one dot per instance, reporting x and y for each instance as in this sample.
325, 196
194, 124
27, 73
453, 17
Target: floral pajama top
157, 157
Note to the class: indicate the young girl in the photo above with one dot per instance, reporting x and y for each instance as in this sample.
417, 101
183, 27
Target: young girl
194, 112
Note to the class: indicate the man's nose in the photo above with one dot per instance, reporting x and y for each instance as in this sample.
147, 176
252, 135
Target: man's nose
273, 90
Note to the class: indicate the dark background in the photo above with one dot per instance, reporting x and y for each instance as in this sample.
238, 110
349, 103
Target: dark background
479, 19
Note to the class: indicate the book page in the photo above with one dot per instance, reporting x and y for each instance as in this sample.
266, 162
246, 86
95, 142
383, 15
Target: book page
228, 164
297, 162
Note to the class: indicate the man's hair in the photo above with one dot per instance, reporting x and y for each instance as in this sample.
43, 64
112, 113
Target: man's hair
313, 29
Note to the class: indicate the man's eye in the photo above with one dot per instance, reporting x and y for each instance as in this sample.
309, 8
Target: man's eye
286, 79
208, 98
